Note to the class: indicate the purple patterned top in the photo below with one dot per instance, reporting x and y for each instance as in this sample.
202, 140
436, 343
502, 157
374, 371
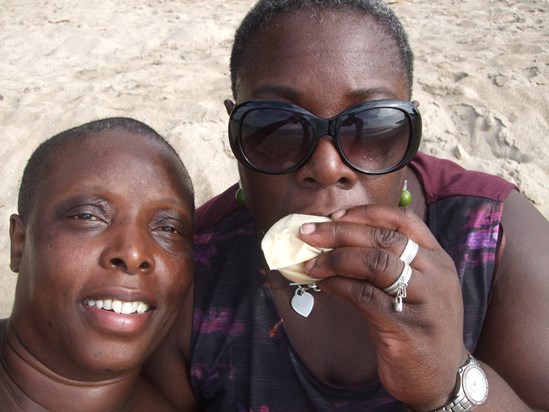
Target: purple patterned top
243, 361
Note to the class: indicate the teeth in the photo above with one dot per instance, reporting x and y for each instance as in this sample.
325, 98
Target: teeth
127, 308
118, 306
142, 307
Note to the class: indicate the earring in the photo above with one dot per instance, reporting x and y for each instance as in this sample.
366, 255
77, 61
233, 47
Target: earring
240, 196
405, 196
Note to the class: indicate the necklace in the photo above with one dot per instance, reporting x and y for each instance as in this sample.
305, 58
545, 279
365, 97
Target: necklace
286, 252
302, 302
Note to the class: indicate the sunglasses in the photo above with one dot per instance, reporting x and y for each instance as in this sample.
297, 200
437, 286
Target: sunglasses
374, 138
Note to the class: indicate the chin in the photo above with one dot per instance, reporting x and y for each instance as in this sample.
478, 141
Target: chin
103, 360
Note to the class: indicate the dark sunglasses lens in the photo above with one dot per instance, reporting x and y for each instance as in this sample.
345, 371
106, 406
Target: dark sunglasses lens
376, 139
274, 140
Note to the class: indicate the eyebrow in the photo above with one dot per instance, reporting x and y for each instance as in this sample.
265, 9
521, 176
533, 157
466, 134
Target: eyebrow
356, 95
370, 93
283, 91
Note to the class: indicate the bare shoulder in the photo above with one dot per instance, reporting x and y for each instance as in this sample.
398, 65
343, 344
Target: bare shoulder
515, 334
522, 219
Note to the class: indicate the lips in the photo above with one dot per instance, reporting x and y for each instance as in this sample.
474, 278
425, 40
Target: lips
119, 306
324, 207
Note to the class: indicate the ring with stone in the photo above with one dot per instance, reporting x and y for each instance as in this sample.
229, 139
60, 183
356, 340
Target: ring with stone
398, 288
409, 252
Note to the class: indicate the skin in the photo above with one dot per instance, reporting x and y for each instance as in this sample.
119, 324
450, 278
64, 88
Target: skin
370, 231
103, 227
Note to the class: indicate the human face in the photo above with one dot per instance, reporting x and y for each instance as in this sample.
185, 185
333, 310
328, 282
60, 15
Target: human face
112, 222
325, 64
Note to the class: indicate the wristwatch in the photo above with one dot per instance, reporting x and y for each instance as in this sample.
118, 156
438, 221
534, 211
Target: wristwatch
471, 388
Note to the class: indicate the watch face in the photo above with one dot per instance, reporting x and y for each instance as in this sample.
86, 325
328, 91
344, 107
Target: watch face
475, 385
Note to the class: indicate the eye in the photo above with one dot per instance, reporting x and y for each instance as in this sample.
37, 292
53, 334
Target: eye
84, 216
170, 229
87, 214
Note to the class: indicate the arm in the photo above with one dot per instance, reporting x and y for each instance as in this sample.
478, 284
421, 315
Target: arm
168, 367
515, 338
419, 349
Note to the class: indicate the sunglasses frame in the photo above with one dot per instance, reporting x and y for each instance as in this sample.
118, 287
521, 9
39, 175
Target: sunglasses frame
324, 127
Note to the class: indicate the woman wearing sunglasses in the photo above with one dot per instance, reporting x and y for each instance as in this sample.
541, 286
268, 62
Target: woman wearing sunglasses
430, 292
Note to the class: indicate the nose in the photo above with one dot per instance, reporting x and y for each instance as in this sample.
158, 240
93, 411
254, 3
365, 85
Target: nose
326, 168
129, 250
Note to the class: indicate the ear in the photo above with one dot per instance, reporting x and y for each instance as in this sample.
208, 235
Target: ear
18, 234
229, 105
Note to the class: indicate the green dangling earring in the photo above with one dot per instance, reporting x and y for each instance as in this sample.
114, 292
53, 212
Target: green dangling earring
405, 196
240, 196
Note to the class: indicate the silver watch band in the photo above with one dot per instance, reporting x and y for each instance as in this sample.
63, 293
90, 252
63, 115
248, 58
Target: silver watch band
456, 405
460, 404
460, 401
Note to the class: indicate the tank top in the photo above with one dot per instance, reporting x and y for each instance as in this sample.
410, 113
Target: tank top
241, 357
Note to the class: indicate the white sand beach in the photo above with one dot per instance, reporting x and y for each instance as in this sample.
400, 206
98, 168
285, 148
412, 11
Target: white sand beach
482, 78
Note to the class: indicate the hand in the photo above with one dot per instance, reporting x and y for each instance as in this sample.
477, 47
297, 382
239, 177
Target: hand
420, 349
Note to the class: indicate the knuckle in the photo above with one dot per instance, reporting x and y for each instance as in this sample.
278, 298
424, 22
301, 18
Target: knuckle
338, 230
363, 292
385, 237
378, 260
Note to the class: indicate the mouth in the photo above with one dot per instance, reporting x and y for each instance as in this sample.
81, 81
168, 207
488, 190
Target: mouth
324, 208
119, 306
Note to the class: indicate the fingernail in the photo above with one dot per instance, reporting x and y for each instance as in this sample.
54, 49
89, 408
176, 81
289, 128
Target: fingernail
339, 213
307, 228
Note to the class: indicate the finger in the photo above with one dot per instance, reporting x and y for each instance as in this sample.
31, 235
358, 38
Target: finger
350, 234
377, 306
375, 266
400, 220
343, 234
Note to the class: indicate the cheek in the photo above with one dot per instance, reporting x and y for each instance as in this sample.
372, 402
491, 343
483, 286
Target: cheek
268, 201
174, 278
55, 266
383, 190
262, 191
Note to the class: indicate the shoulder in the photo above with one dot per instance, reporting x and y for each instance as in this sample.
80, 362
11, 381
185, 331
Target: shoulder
216, 209
520, 302
526, 237
218, 224
442, 178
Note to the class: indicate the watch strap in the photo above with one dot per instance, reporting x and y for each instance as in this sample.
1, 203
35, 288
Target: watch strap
459, 402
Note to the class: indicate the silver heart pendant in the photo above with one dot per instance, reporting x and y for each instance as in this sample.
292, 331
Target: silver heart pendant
303, 302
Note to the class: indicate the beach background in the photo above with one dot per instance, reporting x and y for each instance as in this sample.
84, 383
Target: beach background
482, 78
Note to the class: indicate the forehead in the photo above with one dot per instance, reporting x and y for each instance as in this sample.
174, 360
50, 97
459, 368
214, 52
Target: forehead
105, 150
111, 158
336, 50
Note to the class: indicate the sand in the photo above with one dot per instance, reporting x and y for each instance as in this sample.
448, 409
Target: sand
482, 77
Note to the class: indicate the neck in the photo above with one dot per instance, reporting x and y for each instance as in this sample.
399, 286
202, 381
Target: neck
33, 386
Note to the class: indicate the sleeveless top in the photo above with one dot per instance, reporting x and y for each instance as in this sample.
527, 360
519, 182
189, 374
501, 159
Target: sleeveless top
241, 357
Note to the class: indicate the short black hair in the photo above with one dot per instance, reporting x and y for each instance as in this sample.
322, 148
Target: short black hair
39, 164
265, 10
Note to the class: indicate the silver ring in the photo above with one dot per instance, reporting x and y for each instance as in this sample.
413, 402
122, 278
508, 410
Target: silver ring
409, 252
398, 288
